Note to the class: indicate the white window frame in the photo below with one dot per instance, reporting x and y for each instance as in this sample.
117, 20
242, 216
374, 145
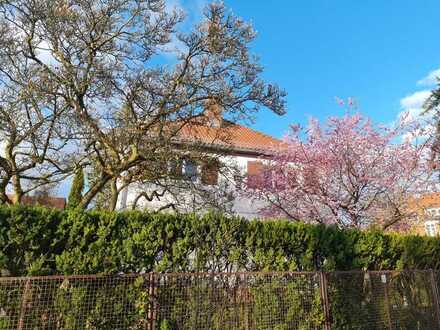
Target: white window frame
431, 228
195, 176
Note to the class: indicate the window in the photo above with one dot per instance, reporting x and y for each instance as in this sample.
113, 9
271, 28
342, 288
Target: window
433, 212
210, 173
190, 170
238, 180
431, 228
258, 175
175, 168
254, 173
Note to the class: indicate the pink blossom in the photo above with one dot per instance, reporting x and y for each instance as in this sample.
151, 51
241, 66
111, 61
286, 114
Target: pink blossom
339, 101
348, 172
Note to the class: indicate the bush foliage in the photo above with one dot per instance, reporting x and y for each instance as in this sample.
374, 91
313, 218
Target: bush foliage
40, 241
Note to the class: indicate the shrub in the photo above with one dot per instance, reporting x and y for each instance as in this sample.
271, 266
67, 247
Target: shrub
40, 241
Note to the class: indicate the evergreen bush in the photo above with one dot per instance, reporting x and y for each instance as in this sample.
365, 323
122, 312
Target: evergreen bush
41, 241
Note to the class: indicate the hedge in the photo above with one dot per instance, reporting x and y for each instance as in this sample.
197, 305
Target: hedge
40, 241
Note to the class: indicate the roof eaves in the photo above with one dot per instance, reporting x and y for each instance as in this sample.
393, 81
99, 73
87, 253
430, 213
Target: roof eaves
228, 148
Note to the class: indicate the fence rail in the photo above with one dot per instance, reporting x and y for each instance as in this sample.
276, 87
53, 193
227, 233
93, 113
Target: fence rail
236, 301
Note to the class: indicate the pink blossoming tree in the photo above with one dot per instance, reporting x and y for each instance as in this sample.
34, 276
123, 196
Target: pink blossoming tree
349, 172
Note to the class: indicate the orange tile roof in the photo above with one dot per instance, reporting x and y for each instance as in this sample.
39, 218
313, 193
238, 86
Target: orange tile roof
231, 135
426, 201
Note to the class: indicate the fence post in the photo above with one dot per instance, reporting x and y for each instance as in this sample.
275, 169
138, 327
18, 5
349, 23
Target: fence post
151, 305
246, 298
324, 299
24, 305
435, 296
384, 279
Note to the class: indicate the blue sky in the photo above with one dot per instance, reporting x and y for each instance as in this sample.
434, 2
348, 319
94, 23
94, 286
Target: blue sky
383, 53
375, 51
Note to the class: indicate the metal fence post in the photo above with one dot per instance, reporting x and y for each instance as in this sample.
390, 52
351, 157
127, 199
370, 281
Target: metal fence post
324, 299
384, 279
435, 302
246, 296
151, 305
24, 305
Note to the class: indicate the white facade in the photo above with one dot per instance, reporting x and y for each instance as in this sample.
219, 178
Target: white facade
433, 211
227, 184
432, 221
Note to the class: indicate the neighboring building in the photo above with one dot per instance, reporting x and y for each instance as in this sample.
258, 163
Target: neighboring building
427, 211
44, 200
241, 149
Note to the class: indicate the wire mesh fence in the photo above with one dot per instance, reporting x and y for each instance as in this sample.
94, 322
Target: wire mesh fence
383, 300
236, 301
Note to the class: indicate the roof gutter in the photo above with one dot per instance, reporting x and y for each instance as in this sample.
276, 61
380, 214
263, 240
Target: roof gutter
228, 149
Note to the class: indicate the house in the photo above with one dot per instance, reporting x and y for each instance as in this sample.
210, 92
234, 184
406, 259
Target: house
427, 211
239, 152
43, 200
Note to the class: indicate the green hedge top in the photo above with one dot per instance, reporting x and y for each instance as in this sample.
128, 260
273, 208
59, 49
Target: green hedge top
39, 241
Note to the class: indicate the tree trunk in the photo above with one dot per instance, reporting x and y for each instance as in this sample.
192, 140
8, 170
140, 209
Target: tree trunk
93, 191
18, 191
114, 194
13, 172
4, 199
136, 200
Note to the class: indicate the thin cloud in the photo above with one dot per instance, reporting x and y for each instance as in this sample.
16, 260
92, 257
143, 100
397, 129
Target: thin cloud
412, 107
415, 100
412, 112
431, 79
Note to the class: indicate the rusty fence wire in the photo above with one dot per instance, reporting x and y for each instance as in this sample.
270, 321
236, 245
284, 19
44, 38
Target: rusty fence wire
236, 301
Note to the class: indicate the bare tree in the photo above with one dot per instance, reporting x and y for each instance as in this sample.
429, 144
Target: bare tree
32, 138
99, 59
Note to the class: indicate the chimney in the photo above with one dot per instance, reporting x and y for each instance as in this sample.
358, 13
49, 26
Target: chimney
213, 114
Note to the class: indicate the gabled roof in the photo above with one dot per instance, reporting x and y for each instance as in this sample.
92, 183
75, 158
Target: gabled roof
231, 136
